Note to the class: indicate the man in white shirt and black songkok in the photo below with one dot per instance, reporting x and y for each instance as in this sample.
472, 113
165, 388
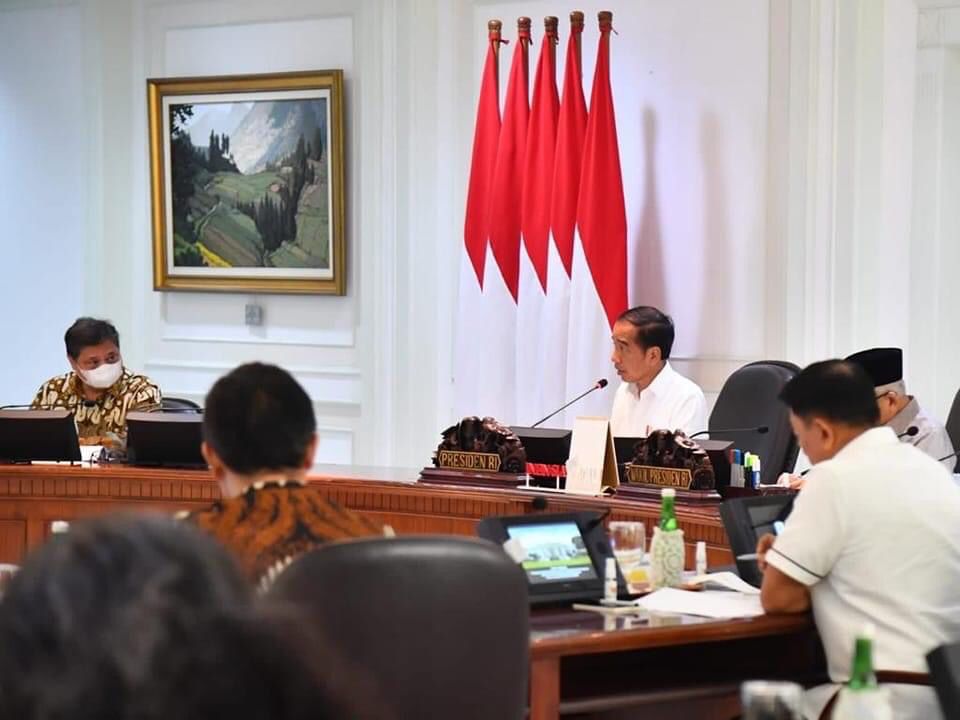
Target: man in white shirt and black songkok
900, 411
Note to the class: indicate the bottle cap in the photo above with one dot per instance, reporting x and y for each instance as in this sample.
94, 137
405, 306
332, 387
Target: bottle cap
701, 548
668, 493
610, 569
867, 631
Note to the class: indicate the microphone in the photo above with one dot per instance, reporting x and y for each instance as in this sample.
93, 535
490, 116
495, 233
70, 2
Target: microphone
947, 457
910, 432
599, 385
760, 429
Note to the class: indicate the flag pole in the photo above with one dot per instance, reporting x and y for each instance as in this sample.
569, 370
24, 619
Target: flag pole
494, 28
576, 31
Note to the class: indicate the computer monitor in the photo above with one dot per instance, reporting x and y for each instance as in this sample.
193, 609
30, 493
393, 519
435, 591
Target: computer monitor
166, 439
549, 446
746, 520
48, 435
565, 554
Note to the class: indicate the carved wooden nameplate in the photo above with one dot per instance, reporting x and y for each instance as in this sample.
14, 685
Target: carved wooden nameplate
477, 451
678, 478
460, 460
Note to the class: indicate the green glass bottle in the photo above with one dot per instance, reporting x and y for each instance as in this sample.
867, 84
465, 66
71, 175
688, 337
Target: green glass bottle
862, 676
668, 516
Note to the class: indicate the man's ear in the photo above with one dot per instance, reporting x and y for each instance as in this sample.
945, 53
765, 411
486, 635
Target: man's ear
213, 460
825, 430
311, 451
654, 354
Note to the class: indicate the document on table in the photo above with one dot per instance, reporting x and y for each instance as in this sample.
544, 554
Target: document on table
719, 604
726, 579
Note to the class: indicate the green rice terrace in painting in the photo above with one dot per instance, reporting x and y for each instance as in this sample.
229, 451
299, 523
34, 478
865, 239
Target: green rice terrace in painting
250, 184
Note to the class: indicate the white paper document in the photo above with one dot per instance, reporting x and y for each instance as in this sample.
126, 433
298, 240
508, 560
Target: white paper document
719, 604
729, 580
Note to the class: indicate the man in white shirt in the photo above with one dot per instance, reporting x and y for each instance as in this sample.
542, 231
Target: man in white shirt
652, 395
874, 537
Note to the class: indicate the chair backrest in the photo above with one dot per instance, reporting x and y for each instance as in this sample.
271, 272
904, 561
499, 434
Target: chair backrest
440, 623
749, 398
173, 403
953, 426
944, 664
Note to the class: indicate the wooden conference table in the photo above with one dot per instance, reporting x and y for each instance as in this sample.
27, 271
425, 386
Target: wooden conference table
577, 667
34, 496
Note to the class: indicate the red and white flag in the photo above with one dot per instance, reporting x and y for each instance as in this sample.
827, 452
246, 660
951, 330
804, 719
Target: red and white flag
571, 128
599, 277
470, 357
540, 368
502, 278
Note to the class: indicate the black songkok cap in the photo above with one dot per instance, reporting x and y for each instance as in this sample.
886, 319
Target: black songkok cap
883, 365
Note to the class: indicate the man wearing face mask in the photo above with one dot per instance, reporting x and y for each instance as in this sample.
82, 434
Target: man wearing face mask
99, 390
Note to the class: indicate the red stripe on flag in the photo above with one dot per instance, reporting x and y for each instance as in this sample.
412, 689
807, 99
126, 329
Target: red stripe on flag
538, 160
508, 172
476, 228
571, 127
601, 211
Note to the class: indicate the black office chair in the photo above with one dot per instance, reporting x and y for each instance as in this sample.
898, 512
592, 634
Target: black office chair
173, 403
953, 426
944, 664
749, 398
440, 623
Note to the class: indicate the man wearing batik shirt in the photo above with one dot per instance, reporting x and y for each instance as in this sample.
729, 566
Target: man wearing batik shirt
98, 390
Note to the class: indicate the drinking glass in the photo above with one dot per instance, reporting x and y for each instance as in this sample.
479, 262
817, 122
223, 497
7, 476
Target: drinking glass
628, 540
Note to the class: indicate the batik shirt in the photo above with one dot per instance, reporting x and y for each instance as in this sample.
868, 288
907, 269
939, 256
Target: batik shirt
271, 524
101, 419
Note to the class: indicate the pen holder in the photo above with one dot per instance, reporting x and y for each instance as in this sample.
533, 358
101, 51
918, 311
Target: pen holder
666, 558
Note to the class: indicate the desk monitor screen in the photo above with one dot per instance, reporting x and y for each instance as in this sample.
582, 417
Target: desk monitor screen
165, 439
565, 553
550, 446
47, 435
556, 552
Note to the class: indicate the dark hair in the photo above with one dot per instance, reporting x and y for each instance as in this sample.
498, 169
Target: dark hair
654, 328
147, 619
87, 331
836, 390
258, 418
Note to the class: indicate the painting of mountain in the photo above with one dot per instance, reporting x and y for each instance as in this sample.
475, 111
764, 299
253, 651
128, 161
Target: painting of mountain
250, 184
247, 182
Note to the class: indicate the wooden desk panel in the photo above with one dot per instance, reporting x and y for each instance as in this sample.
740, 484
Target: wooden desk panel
667, 667
32, 496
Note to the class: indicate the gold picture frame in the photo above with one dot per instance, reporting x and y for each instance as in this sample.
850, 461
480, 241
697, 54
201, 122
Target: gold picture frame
257, 203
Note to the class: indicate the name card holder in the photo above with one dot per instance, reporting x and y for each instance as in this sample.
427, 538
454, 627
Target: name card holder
592, 466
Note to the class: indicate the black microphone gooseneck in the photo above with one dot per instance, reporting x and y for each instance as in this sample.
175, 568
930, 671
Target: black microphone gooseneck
947, 457
759, 429
601, 383
910, 432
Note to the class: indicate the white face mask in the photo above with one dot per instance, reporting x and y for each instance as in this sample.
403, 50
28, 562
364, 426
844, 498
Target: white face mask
103, 376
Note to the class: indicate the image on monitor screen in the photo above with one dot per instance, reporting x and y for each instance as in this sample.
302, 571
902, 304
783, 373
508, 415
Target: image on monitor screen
555, 552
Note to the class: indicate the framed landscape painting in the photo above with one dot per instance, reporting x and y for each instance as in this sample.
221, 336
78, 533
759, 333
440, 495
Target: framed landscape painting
247, 183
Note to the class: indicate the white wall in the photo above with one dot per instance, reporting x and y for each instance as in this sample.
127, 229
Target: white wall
43, 202
770, 139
